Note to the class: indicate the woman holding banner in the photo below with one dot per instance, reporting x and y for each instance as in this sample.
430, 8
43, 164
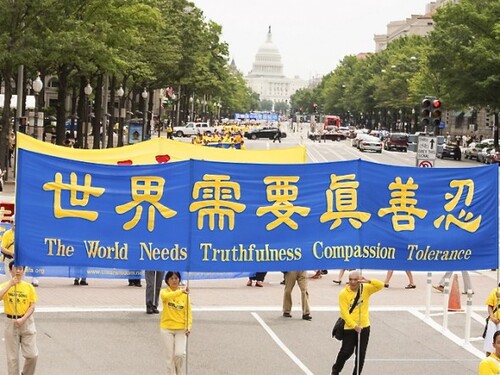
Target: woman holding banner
176, 320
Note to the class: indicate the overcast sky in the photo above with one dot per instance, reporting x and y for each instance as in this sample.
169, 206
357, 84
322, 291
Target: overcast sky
312, 35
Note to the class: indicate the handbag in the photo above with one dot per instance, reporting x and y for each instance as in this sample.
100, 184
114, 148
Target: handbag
338, 327
487, 320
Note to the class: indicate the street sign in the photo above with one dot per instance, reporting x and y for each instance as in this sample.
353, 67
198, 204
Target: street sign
425, 163
442, 125
426, 148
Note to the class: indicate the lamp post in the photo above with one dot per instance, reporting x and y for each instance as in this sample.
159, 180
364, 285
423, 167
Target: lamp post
119, 94
37, 87
88, 91
191, 102
204, 109
161, 95
145, 113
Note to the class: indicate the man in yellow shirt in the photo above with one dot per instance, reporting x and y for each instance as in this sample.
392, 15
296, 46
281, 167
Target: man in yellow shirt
357, 322
491, 364
19, 299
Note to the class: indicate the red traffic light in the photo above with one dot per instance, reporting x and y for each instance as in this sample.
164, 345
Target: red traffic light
436, 103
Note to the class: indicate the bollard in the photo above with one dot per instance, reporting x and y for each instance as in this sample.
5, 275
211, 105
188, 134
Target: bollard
428, 292
468, 313
446, 294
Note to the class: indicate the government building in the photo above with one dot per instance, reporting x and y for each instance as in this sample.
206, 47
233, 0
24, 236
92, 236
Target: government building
266, 77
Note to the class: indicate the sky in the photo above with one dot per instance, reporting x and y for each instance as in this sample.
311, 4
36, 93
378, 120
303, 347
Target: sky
313, 36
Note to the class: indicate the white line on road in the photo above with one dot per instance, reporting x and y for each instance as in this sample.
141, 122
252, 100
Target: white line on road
282, 345
446, 333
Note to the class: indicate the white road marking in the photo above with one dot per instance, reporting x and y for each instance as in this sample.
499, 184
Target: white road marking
282, 346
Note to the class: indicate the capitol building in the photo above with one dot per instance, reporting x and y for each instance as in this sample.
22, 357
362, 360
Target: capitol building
266, 77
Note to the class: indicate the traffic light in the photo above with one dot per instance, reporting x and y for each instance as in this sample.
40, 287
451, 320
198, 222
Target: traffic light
426, 109
436, 112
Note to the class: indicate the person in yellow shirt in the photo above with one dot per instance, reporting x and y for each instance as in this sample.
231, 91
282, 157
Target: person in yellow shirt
176, 321
493, 303
357, 322
19, 298
491, 364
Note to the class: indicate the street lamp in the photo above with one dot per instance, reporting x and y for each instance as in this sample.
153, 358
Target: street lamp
37, 87
191, 102
204, 109
145, 115
120, 94
161, 95
88, 91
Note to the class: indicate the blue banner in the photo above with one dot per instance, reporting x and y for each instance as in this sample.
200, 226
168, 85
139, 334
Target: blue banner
201, 216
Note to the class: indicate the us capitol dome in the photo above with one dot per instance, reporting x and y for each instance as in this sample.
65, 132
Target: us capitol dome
266, 77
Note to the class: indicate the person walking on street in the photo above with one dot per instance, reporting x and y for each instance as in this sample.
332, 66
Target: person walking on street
411, 283
277, 136
19, 298
357, 322
153, 287
299, 277
176, 321
447, 275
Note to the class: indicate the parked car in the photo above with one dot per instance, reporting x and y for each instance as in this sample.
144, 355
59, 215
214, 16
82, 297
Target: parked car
330, 135
192, 128
471, 151
493, 157
451, 151
267, 132
370, 143
397, 141
483, 154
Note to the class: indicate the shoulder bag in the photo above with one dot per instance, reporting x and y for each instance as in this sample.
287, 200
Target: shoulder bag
338, 328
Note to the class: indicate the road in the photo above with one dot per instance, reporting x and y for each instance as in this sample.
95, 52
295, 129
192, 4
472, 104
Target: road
103, 329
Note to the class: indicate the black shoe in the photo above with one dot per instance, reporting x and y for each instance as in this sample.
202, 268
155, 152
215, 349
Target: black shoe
283, 282
83, 282
138, 285
324, 272
307, 317
131, 283
149, 310
155, 310
287, 315
76, 282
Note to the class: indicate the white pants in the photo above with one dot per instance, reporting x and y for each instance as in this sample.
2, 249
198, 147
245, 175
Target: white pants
488, 340
175, 343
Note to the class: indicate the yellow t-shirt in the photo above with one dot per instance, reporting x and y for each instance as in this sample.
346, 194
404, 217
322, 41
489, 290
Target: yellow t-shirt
25, 294
494, 300
8, 240
173, 315
360, 315
490, 365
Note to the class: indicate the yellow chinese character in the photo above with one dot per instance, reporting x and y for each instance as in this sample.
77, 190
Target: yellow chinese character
216, 191
146, 189
465, 220
86, 189
342, 202
281, 193
403, 205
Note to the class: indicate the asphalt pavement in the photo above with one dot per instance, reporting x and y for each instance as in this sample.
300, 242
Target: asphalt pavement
102, 328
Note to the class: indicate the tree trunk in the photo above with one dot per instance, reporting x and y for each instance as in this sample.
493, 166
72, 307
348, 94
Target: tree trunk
4, 135
112, 118
62, 75
96, 120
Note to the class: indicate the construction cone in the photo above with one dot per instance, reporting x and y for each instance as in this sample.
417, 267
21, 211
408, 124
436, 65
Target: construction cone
454, 299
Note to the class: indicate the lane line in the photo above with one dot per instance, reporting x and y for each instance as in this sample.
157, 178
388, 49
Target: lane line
282, 346
446, 333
